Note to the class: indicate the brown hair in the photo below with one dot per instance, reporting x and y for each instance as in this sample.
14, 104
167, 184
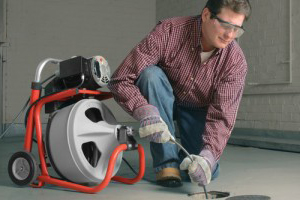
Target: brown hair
238, 6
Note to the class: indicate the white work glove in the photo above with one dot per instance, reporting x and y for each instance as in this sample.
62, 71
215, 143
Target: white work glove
199, 169
154, 129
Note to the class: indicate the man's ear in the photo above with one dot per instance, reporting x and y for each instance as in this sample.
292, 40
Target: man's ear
205, 15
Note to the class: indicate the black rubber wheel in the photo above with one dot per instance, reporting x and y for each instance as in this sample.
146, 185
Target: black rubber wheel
22, 168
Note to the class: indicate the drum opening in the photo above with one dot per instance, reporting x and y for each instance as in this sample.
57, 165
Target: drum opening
94, 115
91, 153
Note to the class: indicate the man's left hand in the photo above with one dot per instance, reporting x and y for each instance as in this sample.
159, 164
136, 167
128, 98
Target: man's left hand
199, 169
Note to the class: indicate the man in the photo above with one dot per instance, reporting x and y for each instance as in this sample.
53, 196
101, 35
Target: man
188, 69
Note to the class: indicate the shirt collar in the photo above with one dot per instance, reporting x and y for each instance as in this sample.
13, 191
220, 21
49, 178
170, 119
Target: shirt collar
197, 32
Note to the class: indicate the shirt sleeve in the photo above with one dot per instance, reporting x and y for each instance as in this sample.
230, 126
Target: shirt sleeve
222, 112
148, 52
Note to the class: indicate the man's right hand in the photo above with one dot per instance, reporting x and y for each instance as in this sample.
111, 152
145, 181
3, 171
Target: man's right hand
154, 129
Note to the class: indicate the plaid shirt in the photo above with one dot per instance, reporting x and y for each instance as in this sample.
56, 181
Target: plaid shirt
174, 45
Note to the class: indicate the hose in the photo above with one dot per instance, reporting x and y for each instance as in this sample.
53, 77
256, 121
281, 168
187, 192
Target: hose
172, 139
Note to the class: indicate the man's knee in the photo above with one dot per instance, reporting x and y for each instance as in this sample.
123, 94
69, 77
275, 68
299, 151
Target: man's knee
152, 74
155, 86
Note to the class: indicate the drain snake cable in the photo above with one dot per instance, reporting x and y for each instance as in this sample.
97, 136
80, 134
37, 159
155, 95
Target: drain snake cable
172, 139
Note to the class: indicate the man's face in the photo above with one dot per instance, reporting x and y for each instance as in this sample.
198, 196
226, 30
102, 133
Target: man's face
216, 32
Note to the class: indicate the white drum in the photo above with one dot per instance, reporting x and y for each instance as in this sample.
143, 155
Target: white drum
80, 140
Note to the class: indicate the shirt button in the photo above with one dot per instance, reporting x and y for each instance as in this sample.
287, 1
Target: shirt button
192, 78
193, 49
184, 92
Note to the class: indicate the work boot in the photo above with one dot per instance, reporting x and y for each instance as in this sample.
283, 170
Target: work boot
169, 177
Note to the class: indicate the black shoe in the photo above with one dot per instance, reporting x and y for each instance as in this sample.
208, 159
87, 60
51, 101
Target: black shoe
172, 182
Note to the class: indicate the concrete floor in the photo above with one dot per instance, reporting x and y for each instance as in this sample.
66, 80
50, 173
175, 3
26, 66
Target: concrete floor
244, 171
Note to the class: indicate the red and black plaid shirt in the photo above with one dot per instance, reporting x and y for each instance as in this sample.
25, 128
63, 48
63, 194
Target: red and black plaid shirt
174, 45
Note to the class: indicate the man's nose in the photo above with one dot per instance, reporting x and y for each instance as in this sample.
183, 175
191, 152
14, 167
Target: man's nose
230, 33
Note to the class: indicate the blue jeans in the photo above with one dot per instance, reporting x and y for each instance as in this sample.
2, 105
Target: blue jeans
156, 88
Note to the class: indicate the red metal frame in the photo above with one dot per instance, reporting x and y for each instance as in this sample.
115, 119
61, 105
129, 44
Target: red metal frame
34, 121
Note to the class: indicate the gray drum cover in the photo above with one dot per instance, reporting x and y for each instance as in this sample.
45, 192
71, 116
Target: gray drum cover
81, 139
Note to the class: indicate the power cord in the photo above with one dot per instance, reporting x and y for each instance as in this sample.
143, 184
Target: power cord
136, 173
13, 122
22, 110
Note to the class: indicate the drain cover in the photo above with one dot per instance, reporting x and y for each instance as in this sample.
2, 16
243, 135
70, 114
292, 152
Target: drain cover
211, 195
249, 197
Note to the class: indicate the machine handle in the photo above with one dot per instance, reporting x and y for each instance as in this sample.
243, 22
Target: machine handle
41, 66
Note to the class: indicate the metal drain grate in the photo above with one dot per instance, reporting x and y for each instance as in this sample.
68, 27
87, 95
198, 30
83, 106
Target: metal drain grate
249, 197
211, 195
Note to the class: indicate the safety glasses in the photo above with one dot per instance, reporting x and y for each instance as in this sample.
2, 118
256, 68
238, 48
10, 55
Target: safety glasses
229, 27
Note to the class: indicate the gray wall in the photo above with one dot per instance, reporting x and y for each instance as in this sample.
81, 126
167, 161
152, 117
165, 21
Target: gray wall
2, 43
271, 98
38, 29
171, 8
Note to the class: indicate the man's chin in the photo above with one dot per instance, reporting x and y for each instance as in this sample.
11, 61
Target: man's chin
221, 45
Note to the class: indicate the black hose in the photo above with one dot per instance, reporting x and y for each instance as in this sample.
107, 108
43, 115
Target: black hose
136, 173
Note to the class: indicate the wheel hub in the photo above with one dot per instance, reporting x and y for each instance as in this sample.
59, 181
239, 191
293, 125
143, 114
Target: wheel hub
21, 168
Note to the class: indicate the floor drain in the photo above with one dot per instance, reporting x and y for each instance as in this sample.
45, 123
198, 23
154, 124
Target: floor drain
249, 197
211, 195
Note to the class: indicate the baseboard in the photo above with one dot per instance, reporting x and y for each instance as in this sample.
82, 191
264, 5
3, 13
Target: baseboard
266, 139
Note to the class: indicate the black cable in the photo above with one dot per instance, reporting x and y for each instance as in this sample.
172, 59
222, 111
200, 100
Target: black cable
22, 110
136, 173
13, 122
47, 79
28, 110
